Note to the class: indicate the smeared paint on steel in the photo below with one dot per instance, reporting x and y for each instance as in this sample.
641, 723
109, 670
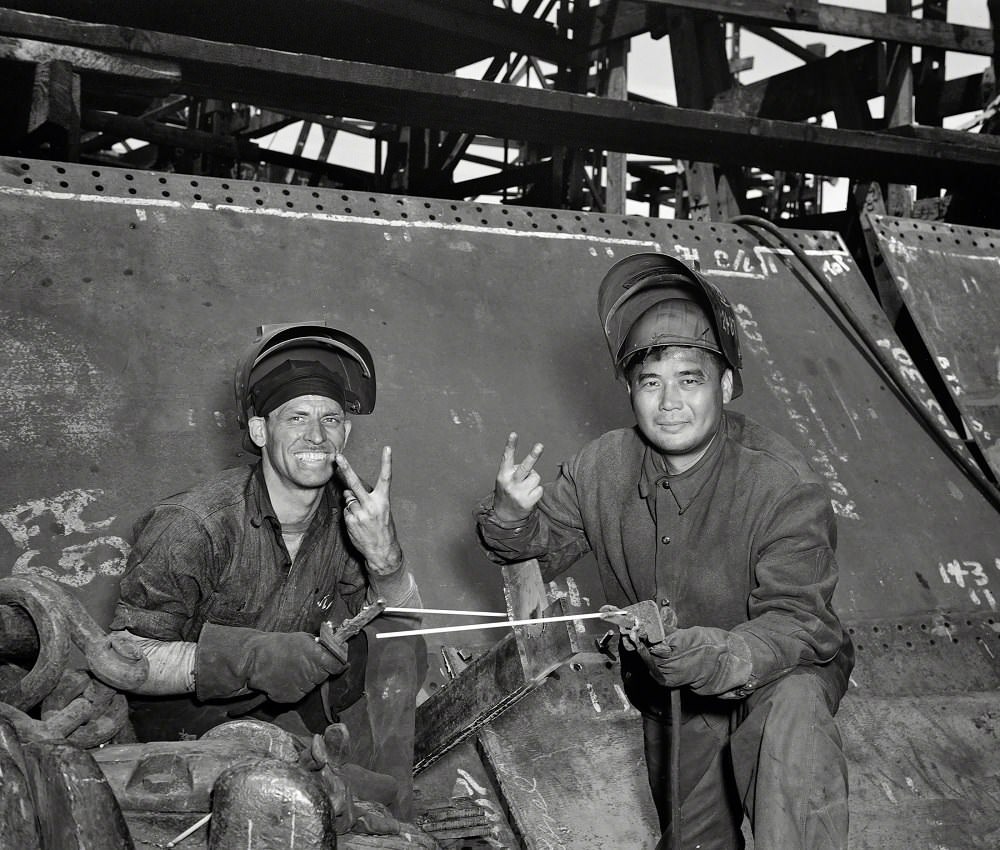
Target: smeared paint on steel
48, 377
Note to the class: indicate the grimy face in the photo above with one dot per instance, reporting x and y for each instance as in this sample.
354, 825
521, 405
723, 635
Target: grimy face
677, 396
299, 440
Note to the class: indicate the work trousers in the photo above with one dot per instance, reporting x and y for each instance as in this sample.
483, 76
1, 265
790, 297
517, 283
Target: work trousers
375, 698
775, 756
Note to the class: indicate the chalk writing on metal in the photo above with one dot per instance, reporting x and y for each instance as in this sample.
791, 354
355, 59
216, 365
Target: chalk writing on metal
68, 559
546, 832
594, 701
908, 371
950, 378
843, 505
412, 225
759, 262
466, 786
956, 389
687, 255
971, 576
835, 266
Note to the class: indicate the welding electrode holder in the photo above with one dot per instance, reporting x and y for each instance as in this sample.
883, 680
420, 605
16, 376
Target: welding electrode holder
644, 621
335, 638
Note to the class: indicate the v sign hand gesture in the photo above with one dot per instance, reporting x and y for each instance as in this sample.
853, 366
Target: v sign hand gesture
518, 487
368, 516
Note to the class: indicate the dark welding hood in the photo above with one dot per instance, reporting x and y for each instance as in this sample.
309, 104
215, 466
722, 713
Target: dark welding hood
339, 353
635, 286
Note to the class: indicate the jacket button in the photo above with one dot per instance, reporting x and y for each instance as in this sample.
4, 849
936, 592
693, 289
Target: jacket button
664, 540
665, 484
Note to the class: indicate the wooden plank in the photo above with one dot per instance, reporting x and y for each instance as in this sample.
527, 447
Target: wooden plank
342, 28
832, 19
315, 84
126, 126
616, 183
617, 19
499, 29
962, 94
85, 60
492, 184
810, 89
784, 42
54, 116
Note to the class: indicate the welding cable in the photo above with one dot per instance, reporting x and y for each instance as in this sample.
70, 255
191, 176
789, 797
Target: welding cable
873, 353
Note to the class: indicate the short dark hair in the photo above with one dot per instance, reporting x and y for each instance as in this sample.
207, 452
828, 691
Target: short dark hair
634, 362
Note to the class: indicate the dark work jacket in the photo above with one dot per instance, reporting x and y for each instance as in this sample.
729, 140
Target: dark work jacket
215, 554
744, 540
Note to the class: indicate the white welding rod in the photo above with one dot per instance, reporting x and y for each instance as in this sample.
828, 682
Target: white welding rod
497, 625
189, 831
451, 611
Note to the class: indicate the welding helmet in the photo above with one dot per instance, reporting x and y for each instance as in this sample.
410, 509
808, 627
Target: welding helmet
308, 355
651, 300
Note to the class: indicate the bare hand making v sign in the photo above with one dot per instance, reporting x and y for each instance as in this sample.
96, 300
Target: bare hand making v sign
368, 516
518, 487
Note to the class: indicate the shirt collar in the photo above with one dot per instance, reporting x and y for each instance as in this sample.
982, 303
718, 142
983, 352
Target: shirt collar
686, 485
261, 509
259, 502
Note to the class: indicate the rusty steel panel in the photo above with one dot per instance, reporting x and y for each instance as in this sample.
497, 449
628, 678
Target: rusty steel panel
127, 295
947, 277
568, 760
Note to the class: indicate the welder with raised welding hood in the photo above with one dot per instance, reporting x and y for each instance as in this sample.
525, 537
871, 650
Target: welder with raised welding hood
228, 583
709, 513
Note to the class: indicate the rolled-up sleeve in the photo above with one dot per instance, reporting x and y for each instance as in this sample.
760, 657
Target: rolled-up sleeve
791, 618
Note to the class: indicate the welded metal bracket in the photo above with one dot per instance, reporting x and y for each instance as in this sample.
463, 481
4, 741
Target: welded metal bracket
499, 677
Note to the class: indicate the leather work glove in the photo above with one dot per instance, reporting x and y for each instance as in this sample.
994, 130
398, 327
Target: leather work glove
231, 661
707, 660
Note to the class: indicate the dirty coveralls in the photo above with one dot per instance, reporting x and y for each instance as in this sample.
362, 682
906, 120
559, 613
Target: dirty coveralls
744, 540
214, 554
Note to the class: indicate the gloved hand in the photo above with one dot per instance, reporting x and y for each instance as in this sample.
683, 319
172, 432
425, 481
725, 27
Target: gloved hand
231, 661
709, 661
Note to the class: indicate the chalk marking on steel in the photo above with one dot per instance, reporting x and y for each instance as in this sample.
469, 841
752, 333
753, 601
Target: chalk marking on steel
18, 191
593, 698
843, 404
621, 695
